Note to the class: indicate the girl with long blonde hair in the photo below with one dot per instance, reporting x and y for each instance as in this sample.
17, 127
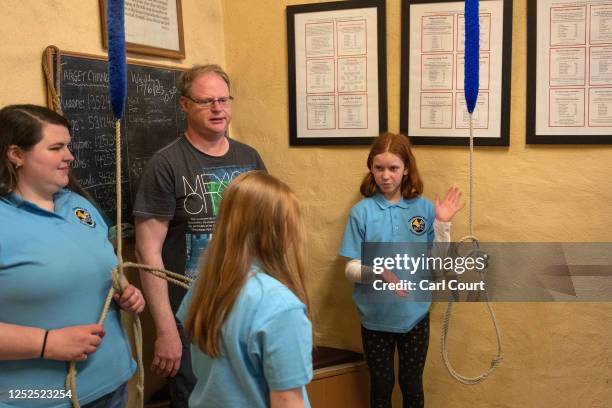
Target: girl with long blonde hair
247, 314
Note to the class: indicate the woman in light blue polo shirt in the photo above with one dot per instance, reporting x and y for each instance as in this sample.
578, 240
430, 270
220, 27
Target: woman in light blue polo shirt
393, 211
247, 314
55, 273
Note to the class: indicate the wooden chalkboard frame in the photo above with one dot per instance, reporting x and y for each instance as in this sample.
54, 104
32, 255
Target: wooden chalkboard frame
53, 56
50, 54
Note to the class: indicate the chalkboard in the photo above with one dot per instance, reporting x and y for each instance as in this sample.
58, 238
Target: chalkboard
152, 119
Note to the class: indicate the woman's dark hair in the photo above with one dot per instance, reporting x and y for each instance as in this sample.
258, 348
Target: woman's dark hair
398, 144
22, 125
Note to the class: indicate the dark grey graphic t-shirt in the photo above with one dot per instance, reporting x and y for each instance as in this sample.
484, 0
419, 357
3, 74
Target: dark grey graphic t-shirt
183, 185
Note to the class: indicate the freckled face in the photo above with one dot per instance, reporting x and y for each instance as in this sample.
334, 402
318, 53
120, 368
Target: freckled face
388, 170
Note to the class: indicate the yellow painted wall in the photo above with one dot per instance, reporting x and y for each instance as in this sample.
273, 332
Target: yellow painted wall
555, 355
28, 26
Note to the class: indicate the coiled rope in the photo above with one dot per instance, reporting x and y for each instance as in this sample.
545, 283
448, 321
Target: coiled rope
53, 86
497, 359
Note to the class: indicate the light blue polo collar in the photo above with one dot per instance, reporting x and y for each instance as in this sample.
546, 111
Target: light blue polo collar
383, 203
12, 199
18, 201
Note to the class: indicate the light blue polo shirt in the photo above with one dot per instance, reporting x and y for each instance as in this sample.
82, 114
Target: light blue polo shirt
55, 271
266, 344
375, 219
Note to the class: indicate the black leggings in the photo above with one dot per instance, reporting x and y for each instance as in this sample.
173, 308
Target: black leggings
379, 349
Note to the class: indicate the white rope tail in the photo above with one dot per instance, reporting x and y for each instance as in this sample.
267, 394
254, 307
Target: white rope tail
496, 361
117, 286
119, 274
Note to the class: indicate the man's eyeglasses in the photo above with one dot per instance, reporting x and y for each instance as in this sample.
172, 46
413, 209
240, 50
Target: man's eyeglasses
209, 102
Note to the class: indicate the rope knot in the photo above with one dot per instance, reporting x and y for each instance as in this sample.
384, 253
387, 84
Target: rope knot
116, 279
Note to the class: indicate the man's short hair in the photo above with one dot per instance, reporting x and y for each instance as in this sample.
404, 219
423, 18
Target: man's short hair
187, 77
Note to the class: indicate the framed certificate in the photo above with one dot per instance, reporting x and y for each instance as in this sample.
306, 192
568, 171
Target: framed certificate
151, 27
569, 72
432, 105
337, 72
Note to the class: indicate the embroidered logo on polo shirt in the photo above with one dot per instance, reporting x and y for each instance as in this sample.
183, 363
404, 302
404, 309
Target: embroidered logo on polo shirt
84, 216
418, 225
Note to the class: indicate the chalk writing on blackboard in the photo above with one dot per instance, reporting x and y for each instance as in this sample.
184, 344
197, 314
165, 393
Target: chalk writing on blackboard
153, 119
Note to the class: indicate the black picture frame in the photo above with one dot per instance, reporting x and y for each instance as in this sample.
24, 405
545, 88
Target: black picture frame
532, 53
504, 138
330, 139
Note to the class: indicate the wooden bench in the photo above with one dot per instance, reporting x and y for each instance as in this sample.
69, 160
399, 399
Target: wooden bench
340, 379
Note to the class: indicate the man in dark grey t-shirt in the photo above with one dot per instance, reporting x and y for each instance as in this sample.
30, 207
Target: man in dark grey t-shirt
176, 207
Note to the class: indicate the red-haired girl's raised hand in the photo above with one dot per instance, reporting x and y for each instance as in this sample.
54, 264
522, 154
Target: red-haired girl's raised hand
450, 205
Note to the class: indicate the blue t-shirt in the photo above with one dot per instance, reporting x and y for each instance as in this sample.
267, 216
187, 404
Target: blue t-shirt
55, 271
266, 344
375, 219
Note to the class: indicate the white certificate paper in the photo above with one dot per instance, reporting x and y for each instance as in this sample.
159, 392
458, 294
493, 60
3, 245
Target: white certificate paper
574, 68
152, 23
436, 71
336, 60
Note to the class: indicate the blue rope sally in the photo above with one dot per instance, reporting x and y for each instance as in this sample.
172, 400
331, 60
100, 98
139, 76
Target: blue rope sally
472, 62
117, 68
472, 53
